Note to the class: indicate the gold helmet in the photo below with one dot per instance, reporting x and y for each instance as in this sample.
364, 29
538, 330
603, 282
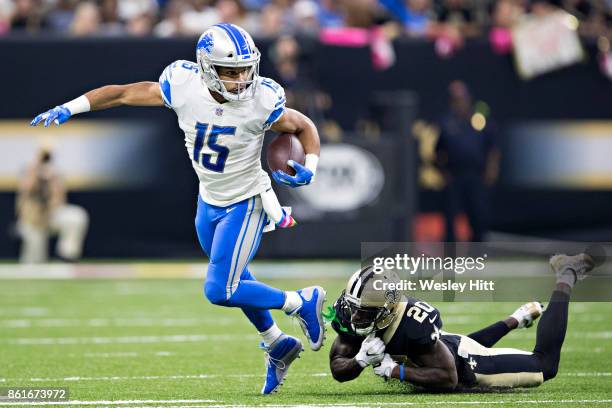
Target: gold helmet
367, 303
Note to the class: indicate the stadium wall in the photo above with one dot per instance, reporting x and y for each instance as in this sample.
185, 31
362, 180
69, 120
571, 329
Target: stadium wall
153, 215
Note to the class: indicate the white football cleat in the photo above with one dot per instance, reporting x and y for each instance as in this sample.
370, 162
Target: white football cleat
527, 314
580, 265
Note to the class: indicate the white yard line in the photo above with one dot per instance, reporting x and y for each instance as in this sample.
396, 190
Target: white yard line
156, 270
185, 338
209, 376
177, 338
139, 378
345, 405
119, 402
113, 322
24, 311
593, 374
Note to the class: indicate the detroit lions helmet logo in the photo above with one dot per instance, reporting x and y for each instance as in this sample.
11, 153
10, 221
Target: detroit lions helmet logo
207, 43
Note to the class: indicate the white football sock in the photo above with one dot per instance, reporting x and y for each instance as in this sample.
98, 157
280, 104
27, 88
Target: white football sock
568, 277
269, 336
293, 301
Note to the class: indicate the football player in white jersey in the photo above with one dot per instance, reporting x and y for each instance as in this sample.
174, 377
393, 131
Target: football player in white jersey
225, 107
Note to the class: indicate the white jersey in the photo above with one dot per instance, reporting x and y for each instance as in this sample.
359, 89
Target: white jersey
223, 140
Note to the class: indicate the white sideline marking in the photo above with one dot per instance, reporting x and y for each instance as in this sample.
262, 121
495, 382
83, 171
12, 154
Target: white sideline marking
124, 354
186, 338
595, 374
347, 405
143, 377
109, 355
177, 338
174, 270
25, 311
77, 402
116, 322
207, 376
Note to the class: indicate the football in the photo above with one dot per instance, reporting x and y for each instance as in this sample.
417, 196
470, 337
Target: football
284, 147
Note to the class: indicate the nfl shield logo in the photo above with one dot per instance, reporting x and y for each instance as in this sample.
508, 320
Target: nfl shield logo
219, 111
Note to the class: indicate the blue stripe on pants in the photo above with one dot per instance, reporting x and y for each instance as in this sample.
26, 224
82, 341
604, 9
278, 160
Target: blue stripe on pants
230, 236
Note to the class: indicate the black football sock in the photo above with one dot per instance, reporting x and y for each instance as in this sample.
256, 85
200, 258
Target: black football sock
490, 334
551, 333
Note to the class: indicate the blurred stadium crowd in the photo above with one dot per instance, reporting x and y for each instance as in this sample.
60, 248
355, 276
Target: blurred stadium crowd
451, 19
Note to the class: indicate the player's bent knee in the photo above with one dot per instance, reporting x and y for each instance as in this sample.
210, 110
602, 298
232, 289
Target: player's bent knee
549, 365
550, 371
215, 293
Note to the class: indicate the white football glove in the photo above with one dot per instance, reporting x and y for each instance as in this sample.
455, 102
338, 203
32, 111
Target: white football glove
371, 352
385, 368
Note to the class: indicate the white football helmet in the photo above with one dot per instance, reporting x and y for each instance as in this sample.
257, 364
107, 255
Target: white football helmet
228, 45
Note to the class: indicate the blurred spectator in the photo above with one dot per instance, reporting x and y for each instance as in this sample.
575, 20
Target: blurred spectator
416, 16
306, 13
254, 5
292, 66
285, 54
198, 16
87, 20
110, 17
232, 11
60, 17
469, 161
42, 211
26, 16
359, 13
461, 15
448, 22
129, 9
506, 13
271, 21
171, 24
6, 12
594, 16
330, 15
140, 25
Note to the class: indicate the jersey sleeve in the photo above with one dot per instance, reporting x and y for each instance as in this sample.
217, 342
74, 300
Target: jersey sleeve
272, 102
174, 82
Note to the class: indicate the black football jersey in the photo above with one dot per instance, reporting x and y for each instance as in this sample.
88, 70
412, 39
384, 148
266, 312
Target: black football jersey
415, 329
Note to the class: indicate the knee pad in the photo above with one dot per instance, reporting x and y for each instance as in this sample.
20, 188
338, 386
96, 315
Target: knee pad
215, 293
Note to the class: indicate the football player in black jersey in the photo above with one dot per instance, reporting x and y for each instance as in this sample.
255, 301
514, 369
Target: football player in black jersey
401, 337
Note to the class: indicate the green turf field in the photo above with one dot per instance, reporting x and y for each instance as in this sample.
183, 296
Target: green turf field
159, 343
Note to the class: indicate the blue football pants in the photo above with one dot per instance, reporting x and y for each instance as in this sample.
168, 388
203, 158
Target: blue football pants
230, 236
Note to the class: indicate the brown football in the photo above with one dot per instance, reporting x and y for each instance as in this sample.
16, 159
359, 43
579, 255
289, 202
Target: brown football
285, 146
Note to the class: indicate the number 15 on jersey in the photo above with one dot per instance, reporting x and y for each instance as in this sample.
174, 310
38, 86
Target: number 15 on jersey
211, 162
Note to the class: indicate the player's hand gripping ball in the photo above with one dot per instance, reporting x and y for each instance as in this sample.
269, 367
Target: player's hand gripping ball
285, 156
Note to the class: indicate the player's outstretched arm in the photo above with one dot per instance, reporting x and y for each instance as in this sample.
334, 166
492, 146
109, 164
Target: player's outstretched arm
436, 369
299, 124
135, 94
342, 362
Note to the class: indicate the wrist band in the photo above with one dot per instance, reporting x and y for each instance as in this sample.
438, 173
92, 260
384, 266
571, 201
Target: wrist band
310, 162
401, 372
78, 105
